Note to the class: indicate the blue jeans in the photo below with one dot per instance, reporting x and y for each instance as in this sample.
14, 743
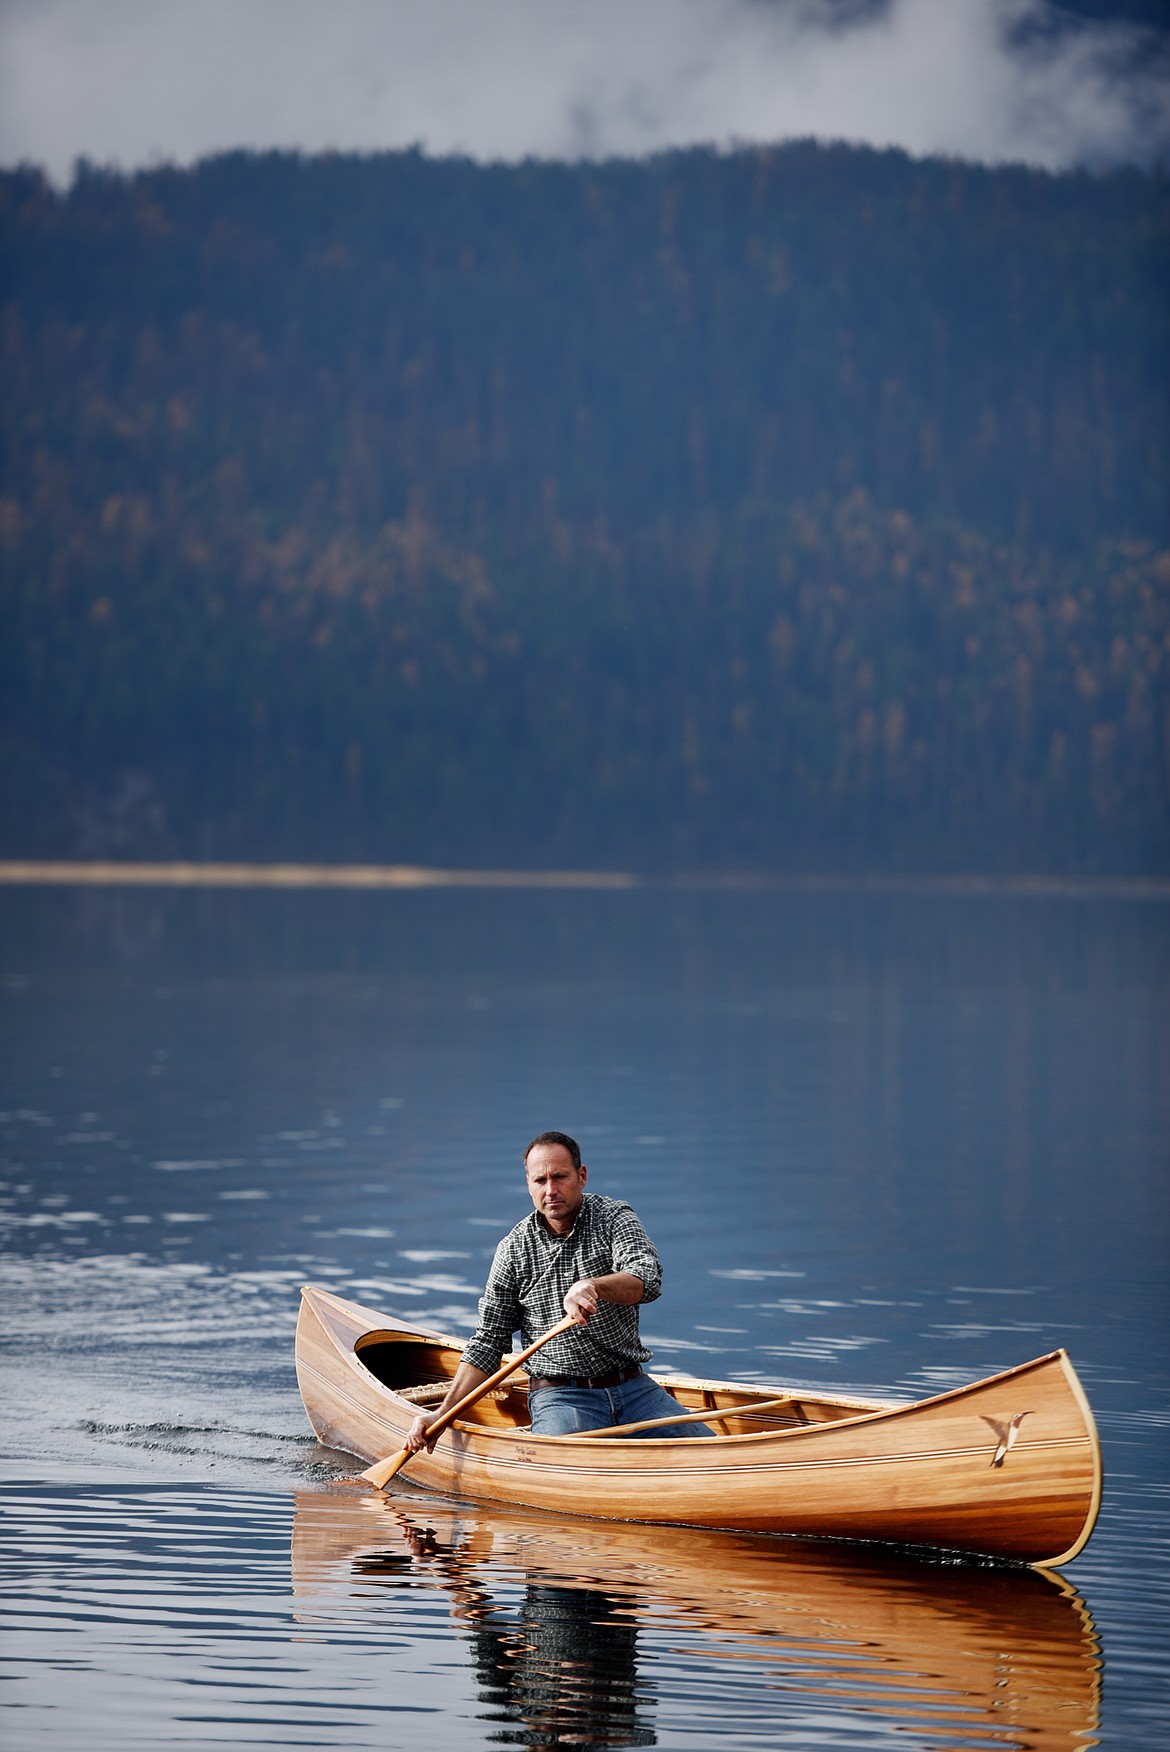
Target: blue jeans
562, 1411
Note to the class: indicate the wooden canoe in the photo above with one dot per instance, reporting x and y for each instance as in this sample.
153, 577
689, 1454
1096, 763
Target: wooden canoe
1008, 1467
953, 1650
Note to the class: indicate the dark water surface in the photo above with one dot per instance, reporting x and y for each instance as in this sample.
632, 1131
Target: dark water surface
884, 1144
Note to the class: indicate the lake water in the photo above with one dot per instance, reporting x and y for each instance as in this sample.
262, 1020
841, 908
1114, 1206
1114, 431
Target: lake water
888, 1143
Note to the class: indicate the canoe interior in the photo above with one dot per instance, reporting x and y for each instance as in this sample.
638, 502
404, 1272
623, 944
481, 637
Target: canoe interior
421, 1370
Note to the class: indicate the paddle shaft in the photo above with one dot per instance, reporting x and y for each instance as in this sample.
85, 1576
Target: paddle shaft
711, 1415
383, 1471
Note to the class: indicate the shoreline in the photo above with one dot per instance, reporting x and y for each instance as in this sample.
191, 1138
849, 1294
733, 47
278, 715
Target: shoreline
110, 873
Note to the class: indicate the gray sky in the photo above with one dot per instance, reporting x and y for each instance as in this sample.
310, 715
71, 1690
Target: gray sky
134, 81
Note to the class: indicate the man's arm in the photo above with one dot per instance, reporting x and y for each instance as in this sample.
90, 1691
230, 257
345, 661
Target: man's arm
499, 1318
633, 1253
583, 1298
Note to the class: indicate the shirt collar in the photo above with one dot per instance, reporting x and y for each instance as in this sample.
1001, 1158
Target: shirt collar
551, 1234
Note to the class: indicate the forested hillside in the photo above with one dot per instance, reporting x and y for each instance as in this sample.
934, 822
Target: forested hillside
802, 508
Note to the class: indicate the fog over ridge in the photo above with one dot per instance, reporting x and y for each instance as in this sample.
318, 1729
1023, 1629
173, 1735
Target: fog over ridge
131, 82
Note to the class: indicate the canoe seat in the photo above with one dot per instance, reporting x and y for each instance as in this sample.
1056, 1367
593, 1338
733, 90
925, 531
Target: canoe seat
431, 1393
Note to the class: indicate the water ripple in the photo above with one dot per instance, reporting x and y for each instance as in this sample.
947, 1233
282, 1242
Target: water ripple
212, 1617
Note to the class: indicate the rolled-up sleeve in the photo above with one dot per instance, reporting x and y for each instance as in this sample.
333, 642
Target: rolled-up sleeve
499, 1313
633, 1251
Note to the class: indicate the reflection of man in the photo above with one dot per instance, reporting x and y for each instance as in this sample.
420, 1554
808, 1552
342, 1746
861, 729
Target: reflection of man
564, 1667
585, 1255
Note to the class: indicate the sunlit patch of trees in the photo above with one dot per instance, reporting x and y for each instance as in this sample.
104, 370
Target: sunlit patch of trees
793, 509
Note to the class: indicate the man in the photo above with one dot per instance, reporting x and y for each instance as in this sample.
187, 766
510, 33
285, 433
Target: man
587, 1256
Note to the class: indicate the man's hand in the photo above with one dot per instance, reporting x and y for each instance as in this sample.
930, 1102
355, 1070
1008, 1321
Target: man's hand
581, 1300
417, 1434
467, 1379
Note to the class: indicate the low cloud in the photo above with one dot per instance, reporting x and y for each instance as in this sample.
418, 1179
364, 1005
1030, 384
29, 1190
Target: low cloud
135, 81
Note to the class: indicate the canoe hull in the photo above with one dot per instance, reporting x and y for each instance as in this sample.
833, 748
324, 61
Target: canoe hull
922, 1474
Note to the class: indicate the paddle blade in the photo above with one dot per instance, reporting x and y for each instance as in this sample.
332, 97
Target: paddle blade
382, 1471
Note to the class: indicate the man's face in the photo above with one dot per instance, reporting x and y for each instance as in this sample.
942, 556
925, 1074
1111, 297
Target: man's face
556, 1187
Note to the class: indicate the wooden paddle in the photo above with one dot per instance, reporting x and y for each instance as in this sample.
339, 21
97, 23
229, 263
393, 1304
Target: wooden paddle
383, 1471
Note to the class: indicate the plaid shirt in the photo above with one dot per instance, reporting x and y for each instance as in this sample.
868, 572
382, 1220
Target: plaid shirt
530, 1274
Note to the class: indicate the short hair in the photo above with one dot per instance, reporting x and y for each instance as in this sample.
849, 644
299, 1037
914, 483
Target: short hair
555, 1137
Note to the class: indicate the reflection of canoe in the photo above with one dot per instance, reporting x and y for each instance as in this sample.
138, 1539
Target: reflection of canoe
964, 1650
1009, 1467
